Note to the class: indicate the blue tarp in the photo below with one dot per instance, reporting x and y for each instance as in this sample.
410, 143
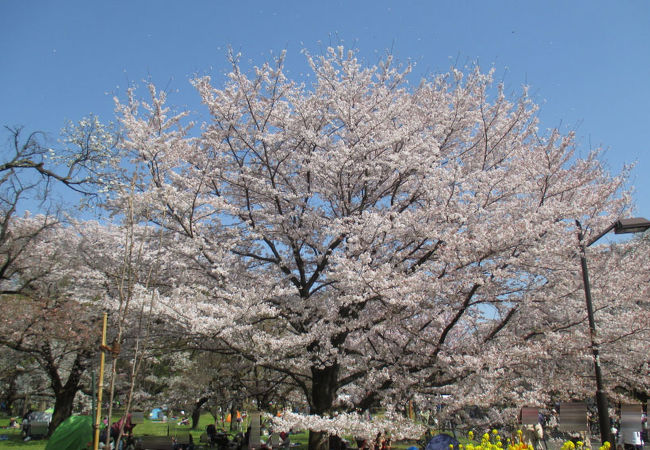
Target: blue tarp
441, 442
156, 414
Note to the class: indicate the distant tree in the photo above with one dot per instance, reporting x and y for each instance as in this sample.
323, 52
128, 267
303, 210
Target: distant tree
35, 265
29, 170
621, 292
20, 379
45, 323
227, 382
367, 238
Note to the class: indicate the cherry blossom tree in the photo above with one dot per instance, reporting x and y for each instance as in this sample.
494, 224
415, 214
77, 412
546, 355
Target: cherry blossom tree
43, 322
367, 237
621, 288
21, 381
121, 261
34, 266
30, 169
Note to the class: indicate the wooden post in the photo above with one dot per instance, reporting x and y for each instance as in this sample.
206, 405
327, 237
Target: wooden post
100, 387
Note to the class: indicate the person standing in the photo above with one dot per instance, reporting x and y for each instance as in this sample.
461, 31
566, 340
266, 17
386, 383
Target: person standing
631, 439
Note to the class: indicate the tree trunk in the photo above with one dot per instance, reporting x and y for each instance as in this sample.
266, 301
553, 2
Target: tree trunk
196, 412
63, 403
63, 393
233, 416
11, 394
324, 387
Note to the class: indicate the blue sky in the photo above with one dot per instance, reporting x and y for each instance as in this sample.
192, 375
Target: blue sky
587, 62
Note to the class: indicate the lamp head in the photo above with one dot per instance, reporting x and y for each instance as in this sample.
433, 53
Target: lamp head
633, 225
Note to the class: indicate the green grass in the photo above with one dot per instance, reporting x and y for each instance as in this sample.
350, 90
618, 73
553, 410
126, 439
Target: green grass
148, 428
15, 440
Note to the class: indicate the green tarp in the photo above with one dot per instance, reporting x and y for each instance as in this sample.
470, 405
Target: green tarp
74, 433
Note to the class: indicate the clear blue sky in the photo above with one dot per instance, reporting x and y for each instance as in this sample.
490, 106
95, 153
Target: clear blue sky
587, 62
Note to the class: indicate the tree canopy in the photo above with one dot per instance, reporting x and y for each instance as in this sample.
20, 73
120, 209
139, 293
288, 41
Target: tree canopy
369, 238
372, 240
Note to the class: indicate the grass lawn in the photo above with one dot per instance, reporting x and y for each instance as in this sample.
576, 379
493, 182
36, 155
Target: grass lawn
15, 441
148, 428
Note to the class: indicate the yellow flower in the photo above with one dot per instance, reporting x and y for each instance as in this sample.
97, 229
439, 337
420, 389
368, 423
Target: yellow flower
495, 432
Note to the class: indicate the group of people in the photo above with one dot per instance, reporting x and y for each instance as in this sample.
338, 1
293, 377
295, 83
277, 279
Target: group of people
381, 442
13, 423
626, 438
124, 426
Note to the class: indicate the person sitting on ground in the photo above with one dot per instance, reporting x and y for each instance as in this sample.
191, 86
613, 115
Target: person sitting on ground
362, 444
127, 429
286, 440
217, 437
246, 439
211, 431
337, 443
274, 440
25, 425
178, 446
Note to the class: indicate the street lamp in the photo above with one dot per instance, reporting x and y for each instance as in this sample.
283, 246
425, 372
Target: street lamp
635, 225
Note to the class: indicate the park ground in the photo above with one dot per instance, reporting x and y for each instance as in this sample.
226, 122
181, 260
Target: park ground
10, 438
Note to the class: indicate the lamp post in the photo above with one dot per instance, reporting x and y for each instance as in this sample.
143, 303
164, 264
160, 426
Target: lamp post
635, 225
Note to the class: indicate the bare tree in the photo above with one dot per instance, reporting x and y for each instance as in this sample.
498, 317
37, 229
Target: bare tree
29, 169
